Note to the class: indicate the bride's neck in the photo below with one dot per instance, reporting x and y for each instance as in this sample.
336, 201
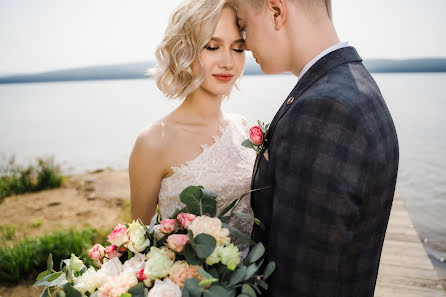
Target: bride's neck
203, 108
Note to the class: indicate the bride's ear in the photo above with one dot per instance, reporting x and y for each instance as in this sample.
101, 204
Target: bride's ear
278, 10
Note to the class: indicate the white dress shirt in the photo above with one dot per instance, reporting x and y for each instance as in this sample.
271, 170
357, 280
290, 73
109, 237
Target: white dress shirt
321, 55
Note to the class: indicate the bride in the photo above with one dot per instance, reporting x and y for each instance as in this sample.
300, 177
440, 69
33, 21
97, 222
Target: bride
199, 60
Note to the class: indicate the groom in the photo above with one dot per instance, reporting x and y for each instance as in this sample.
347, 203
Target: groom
331, 155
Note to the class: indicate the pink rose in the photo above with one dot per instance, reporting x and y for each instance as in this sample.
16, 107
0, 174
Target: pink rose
119, 235
112, 251
167, 226
256, 135
96, 252
140, 275
177, 242
185, 219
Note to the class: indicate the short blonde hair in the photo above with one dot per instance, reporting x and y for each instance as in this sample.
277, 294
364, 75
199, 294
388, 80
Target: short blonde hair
190, 28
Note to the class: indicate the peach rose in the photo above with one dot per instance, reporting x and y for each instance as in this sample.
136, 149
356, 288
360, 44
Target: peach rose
119, 235
176, 242
185, 219
167, 226
96, 252
180, 271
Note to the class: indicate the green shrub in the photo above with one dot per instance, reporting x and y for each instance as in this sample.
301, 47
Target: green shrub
27, 258
15, 179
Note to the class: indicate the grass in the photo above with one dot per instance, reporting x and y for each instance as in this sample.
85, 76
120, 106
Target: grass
16, 179
7, 233
28, 257
36, 223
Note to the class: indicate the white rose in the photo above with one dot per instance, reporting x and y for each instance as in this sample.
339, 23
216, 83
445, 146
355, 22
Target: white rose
112, 268
88, 282
134, 264
138, 241
165, 289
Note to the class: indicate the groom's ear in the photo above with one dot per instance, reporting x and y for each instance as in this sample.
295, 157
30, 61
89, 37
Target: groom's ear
278, 11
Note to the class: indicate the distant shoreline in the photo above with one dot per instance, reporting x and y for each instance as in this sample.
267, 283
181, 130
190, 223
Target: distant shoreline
138, 70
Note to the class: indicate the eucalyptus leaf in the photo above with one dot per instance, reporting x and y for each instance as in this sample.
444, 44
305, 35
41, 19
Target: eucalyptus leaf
245, 216
252, 269
204, 274
184, 292
269, 269
191, 197
61, 294
248, 143
237, 275
204, 245
237, 233
193, 287
191, 256
262, 284
72, 292
255, 254
126, 295
137, 290
64, 284
236, 201
49, 262
243, 295
255, 288
49, 280
217, 291
208, 202
246, 289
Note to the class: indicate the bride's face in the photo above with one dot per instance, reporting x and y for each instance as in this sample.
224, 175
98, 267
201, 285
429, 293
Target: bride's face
223, 57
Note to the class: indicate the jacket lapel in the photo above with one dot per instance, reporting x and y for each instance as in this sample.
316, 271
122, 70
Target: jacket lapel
319, 69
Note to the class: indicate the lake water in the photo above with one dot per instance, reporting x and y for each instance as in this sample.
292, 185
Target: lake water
90, 125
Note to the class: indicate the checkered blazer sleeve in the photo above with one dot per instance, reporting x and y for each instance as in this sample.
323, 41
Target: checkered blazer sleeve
321, 172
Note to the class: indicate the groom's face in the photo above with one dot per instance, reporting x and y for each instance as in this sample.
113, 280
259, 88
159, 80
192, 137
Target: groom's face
260, 37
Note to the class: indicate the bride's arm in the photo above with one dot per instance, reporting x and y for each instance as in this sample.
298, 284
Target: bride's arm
146, 170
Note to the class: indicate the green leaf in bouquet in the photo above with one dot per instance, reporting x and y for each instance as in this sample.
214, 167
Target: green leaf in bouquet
204, 245
191, 256
243, 295
236, 201
204, 274
237, 276
193, 287
126, 295
239, 234
46, 293
49, 280
217, 291
191, 197
213, 271
269, 269
64, 285
255, 254
184, 292
49, 262
208, 203
72, 292
248, 143
137, 290
225, 219
208, 281
255, 288
152, 223
61, 294
252, 269
244, 216
42, 274
262, 284
248, 290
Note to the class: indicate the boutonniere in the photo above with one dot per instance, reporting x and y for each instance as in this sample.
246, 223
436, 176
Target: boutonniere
257, 137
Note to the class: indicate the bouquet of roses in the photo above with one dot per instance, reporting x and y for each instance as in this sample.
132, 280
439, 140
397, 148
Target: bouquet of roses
189, 254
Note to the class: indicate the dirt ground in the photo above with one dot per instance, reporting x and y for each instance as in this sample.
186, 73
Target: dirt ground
98, 199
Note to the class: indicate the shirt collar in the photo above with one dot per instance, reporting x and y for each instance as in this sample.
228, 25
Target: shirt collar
321, 55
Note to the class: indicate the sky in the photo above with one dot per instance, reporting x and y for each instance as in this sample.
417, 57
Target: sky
47, 35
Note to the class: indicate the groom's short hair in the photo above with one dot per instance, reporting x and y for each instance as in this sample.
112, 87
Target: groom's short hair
307, 5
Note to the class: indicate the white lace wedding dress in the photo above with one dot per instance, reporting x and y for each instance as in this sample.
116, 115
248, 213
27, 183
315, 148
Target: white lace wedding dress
225, 167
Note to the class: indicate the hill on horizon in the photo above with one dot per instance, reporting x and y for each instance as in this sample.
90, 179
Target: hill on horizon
138, 70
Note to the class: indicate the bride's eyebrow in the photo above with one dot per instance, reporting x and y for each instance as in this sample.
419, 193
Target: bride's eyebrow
221, 40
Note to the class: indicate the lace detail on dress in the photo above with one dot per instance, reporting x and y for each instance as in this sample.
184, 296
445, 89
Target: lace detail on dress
224, 167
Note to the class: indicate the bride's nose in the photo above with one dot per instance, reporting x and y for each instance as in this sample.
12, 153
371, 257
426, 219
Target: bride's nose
226, 59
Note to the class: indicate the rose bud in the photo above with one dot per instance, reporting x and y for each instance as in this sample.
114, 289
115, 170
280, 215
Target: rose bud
256, 135
185, 219
112, 251
96, 252
167, 226
119, 235
176, 242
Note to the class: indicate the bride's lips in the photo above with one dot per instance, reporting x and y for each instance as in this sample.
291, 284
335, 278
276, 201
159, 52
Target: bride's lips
223, 77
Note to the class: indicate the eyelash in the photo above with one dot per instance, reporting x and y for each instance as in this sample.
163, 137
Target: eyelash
209, 48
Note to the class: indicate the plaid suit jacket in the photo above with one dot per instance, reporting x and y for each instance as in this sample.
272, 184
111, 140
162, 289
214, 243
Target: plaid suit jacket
333, 162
